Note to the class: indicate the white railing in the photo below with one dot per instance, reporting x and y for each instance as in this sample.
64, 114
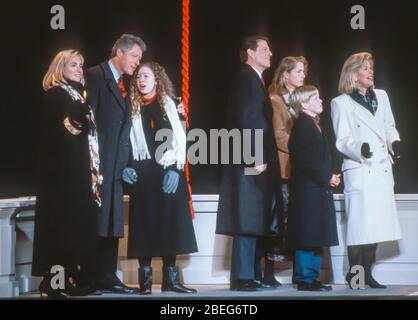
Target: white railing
397, 262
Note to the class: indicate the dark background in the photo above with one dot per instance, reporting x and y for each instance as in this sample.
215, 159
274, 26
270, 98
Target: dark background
319, 30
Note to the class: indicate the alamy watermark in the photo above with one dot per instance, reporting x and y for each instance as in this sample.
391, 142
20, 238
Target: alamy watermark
58, 278
357, 277
220, 146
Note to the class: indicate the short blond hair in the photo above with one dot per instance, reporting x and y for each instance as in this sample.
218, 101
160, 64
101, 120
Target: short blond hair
301, 95
55, 74
350, 69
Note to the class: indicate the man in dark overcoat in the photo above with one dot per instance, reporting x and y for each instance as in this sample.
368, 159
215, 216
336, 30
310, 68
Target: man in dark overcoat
108, 96
245, 201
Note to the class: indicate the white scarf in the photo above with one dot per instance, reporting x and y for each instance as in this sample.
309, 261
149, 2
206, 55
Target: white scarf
174, 155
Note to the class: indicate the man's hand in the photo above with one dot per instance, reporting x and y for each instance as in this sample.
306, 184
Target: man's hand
180, 108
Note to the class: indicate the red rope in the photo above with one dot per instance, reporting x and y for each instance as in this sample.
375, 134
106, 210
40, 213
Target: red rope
185, 79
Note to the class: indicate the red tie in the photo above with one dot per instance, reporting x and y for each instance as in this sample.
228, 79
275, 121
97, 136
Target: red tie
262, 81
316, 120
122, 88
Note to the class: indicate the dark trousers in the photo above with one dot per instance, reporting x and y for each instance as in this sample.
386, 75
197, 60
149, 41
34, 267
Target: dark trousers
107, 256
247, 253
308, 264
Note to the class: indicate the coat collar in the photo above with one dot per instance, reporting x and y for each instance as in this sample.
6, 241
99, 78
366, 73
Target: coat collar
255, 74
364, 115
312, 124
108, 75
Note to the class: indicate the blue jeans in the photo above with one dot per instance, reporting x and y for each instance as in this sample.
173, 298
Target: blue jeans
308, 265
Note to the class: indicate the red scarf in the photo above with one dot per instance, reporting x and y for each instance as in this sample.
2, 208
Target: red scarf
149, 100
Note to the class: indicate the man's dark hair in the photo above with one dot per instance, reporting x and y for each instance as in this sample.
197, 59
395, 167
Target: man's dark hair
250, 42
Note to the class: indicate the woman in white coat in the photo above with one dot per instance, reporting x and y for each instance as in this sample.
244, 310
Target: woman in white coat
366, 135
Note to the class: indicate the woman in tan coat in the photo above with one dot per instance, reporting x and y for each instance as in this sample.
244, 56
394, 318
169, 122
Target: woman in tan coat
289, 75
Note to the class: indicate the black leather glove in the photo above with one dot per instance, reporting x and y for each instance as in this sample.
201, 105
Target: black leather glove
78, 112
365, 150
396, 147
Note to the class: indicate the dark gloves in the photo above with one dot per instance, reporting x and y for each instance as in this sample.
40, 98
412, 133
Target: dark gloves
129, 175
365, 150
171, 181
78, 112
396, 147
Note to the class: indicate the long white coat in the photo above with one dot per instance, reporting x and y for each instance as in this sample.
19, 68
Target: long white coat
368, 183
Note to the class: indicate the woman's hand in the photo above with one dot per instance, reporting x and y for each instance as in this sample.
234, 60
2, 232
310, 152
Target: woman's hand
180, 108
171, 181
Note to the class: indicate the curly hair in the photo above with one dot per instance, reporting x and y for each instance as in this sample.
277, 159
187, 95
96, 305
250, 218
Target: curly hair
164, 87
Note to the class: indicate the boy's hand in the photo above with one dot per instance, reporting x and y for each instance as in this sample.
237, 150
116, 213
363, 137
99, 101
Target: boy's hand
335, 180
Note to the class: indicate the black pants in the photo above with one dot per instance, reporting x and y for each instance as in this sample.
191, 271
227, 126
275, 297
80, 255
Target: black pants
247, 253
107, 255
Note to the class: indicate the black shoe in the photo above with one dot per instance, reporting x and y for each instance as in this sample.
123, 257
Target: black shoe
95, 292
171, 281
145, 280
270, 283
372, 283
112, 284
314, 286
245, 285
118, 288
320, 284
46, 289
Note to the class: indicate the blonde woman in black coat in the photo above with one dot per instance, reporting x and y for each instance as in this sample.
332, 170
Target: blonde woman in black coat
68, 179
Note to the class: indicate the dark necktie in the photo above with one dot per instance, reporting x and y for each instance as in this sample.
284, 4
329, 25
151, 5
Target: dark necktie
316, 120
122, 88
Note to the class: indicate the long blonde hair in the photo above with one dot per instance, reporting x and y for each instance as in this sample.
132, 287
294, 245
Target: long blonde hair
55, 74
164, 86
350, 69
278, 85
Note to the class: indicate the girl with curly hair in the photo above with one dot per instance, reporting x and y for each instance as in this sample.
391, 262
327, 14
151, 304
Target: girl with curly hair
160, 222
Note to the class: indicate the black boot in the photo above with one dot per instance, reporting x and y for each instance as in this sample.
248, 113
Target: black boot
171, 281
145, 280
354, 259
369, 257
269, 280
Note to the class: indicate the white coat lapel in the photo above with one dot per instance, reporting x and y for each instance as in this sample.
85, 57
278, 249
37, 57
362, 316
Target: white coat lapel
368, 119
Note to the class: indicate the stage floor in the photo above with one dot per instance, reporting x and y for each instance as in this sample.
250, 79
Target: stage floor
216, 292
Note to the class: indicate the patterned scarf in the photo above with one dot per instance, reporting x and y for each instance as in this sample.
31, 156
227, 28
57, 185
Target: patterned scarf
96, 177
369, 100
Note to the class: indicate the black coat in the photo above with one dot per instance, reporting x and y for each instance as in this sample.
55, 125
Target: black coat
65, 214
113, 119
245, 201
160, 224
312, 221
